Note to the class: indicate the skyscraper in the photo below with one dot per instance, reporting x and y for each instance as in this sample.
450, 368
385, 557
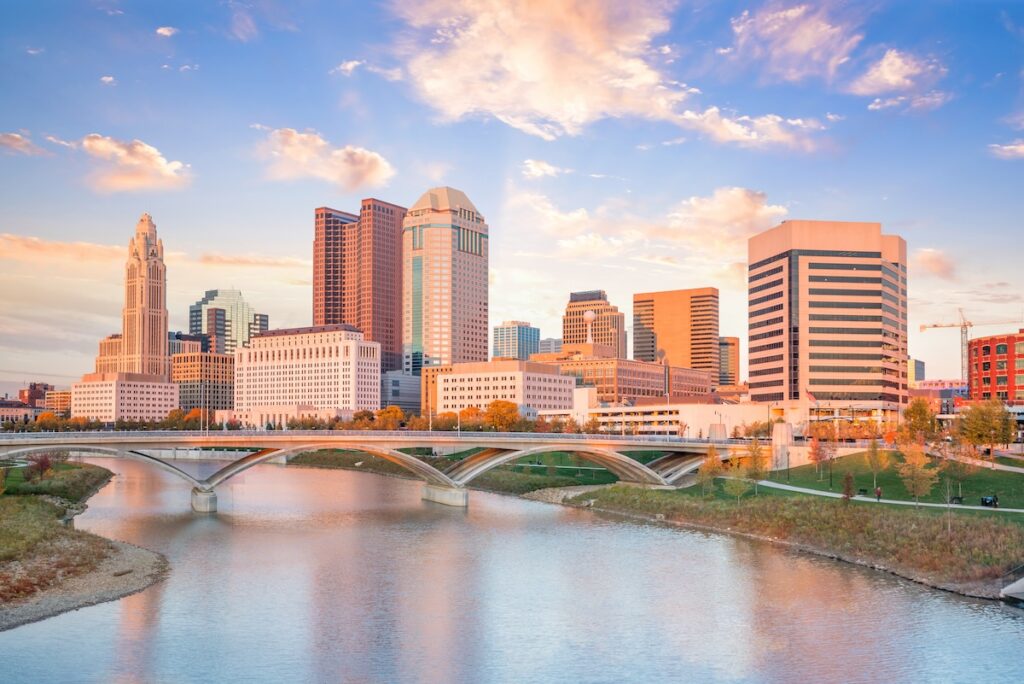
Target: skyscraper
729, 360
608, 326
515, 339
225, 315
141, 347
828, 316
357, 273
678, 327
444, 281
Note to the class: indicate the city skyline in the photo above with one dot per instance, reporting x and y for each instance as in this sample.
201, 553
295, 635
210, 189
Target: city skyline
869, 123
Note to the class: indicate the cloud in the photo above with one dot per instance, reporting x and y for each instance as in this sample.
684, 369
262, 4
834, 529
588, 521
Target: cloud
347, 68
36, 250
925, 102
897, 71
63, 143
721, 222
251, 260
307, 155
132, 166
393, 74
166, 31
760, 131
536, 168
34, 51
793, 43
934, 262
243, 27
108, 80
834, 117
16, 143
1013, 150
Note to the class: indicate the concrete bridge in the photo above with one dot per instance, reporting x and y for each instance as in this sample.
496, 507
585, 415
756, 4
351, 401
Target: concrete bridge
678, 456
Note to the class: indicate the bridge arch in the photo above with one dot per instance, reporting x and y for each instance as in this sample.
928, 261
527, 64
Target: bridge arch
108, 451
625, 467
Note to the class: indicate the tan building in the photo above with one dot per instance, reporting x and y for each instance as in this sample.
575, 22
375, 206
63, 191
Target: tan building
109, 397
606, 325
444, 281
677, 327
357, 273
15, 411
205, 380
626, 380
828, 316
531, 386
58, 402
428, 388
729, 361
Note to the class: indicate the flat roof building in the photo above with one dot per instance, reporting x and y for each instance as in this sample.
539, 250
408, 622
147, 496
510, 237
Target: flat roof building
110, 397
995, 368
590, 319
531, 386
515, 340
206, 380
677, 327
728, 361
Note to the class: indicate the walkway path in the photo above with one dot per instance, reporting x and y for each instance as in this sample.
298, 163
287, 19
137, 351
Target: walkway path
871, 499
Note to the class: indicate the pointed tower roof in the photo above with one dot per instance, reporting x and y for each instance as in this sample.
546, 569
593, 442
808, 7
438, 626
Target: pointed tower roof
145, 224
443, 198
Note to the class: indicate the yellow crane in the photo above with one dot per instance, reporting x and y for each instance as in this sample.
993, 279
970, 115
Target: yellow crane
965, 326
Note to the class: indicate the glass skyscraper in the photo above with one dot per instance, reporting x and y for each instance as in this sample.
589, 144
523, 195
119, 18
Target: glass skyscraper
235, 325
516, 340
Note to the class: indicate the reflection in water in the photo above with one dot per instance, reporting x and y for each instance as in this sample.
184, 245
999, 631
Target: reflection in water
312, 575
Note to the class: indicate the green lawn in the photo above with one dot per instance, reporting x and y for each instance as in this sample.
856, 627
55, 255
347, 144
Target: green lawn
71, 481
983, 482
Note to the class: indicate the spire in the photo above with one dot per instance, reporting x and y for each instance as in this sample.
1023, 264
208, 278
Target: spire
145, 225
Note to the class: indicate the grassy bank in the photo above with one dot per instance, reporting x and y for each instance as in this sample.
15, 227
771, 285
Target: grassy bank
505, 480
71, 481
970, 555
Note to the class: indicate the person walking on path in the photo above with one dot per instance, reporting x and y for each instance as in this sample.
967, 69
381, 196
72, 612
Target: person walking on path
878, 494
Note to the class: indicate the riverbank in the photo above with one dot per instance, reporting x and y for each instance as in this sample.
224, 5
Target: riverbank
47, 567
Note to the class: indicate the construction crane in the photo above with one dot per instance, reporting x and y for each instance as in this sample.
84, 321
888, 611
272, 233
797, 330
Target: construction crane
965, 326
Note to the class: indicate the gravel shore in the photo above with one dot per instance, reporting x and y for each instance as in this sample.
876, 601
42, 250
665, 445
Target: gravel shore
127, 570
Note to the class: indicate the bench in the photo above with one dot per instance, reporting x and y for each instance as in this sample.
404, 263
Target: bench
862, 492
956, 500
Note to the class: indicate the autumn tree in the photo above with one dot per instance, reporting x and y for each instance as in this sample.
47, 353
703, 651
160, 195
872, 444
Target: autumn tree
591, 427
446, 421
876, 460
919, 420
48, 421
986, 424
709, 469
757, 462
471, 418
389, 418
847, 486
917, 477
959, 465
501, 415
737, 482
816, 454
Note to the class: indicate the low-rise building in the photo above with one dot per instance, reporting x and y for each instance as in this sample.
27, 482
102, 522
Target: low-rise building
531, 386
995, 368
18, 411
206, 379
400, 389
109, 397
58, 402
683, 420
277, 416
34, 394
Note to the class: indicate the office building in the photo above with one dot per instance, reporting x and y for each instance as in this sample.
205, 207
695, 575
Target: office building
206, 380
444, 281
515, 340
549, 345
729, 361
58, 402
35, 393
14, 411
530, 386
677, 327
590, 319
828, 316
995, 368
915, 372
183, 343
357, 273
109, 397
402, 390
232, 321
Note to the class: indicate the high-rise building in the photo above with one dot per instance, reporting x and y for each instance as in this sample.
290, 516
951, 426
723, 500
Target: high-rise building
206, 380
515, 340
729, 361
58, 402
915, 372
444, 281
141, 348
590, 319
357, 273
35, 393
828, 316
227, 318
183, 343
677, 327
549, 345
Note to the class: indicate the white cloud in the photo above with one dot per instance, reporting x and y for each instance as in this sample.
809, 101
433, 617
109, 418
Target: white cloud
108, 80
720, 224
1013, 150
63, 143
898, 71
35, 51
16, 143
307, 155
166, 31
924, 102
934, 262
536, 168
132, 166
393, 74
793, 43
243, 27
834, 117
759, 131
188, 67
347, 68
1016, 121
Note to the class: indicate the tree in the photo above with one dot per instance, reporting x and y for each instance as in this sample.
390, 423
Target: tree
710, 469
48, 420
959, 466
986, 424
501, 415
757, 462
737, 483
877, 460
591, 427
471, 418
919, 420
39, 466
816, 454
847, 486
389, 418
917, 477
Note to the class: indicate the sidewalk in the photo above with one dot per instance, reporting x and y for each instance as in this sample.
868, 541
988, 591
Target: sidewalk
871, 499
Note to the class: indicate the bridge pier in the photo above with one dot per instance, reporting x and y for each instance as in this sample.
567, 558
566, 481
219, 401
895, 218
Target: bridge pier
204, 501
449, 496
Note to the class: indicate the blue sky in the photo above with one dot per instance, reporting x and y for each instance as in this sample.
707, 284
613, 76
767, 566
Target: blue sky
624, 146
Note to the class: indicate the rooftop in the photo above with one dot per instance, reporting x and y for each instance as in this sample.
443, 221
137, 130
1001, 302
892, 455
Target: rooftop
334, 327
443, 199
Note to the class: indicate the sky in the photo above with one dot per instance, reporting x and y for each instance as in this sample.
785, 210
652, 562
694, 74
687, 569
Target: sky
628, 147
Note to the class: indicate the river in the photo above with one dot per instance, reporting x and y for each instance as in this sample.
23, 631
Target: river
336, 576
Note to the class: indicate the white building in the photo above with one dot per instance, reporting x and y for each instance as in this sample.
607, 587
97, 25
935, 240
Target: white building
108, 397
531, 386
321, 368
